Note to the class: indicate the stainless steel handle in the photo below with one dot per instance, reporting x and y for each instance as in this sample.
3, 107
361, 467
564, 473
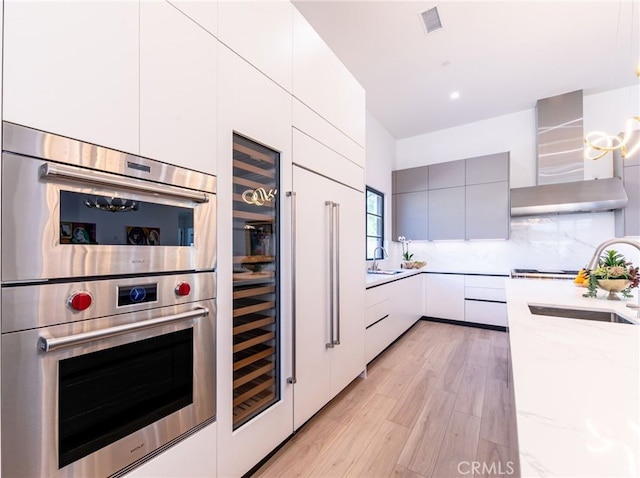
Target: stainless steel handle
50, 344
292, 379
330, 344
337, 271
59, 171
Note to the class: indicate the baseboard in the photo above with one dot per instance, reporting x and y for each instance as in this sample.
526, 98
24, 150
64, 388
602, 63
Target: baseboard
498, 328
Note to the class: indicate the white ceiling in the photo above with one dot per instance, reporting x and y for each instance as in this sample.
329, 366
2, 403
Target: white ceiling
502, 56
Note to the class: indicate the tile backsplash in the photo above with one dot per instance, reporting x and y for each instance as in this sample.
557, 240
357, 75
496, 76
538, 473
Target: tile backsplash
539, 242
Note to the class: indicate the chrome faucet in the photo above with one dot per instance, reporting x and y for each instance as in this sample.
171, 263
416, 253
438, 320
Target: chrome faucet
593, 263
374, 266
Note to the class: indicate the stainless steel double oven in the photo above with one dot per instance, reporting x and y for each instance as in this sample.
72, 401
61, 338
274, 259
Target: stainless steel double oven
108, 306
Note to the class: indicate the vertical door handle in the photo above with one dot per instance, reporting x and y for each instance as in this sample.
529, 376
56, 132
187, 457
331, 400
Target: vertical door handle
292, 379
330, 344
337, 271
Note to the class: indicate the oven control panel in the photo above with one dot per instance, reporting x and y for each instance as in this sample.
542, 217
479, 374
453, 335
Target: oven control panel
137, 294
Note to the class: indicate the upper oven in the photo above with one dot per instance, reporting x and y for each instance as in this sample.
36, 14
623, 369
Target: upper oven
72, 209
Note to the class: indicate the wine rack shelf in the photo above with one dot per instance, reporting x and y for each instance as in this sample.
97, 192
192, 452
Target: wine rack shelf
256, 317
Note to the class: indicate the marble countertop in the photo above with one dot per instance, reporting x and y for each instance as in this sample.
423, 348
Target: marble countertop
372, 280
576, 384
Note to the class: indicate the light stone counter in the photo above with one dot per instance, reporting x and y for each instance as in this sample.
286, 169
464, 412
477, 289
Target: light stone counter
576, 384
372, 280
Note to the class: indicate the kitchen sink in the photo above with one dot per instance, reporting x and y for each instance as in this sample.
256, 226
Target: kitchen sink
389, 272
584, 314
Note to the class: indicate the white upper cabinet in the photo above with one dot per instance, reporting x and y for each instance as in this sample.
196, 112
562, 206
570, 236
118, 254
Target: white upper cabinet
261, 33
71, 68
323, 83
350, 106
178, 88
203, 12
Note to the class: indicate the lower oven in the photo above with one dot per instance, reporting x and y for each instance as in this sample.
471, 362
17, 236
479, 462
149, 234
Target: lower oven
96, 376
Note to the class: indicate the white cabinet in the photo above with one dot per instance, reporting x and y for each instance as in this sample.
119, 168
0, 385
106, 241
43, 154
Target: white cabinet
178, 88
261, 33
323, 83
71, 68
329, 298
253, 106
476, 298
319, 158
444, 296
390, 310
203, 12
408, 300
485, 300
195, 457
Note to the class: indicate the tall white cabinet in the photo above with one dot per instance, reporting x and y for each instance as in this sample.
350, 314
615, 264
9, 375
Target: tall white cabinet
329, 290
178, 88
71, 68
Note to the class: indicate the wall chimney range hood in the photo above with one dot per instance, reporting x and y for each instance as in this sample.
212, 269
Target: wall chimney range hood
562, 198
561, 187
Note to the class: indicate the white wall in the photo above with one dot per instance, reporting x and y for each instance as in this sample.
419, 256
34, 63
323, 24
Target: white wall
555, 241
380, 160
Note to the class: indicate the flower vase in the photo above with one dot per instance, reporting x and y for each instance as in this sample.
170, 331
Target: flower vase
612, 286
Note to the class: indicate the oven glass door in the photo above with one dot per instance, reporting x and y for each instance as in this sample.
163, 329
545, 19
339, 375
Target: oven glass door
119, 220
106, 395
61, 221
95, 396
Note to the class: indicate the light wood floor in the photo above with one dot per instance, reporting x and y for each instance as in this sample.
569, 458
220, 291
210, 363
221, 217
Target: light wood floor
435, 404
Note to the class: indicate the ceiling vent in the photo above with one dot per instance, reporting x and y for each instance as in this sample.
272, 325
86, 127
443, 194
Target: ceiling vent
431, 19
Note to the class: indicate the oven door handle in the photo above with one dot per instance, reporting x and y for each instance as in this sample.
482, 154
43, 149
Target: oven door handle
49, 344
59, 171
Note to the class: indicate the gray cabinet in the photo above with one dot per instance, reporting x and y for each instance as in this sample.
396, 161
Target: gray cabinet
467, 199
410, 215
447, 175
632, 211
628, 219
487, 169
446, 213
487, 211
411, 180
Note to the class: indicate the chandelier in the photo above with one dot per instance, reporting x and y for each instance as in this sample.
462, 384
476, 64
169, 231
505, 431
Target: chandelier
111, 204
599, 143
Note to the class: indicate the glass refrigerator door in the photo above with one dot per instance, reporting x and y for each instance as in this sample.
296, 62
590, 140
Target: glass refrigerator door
256, 318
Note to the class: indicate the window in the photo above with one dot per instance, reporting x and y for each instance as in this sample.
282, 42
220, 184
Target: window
375, 223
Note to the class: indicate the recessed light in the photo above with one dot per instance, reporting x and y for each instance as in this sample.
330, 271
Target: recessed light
454, 95
445, 63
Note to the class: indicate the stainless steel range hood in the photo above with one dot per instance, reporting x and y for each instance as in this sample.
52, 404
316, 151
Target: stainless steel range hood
561, 187
562, 198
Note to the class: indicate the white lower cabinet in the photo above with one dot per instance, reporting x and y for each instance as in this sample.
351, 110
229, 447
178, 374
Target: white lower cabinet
485, 300
195, 457
445, 296
329, 290
390, 310
485, 312
473, 298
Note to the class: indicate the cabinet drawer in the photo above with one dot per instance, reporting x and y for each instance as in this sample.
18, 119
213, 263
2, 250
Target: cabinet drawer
485, 293
376, 294
494, 282
378, 337
376, 312
491, 313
